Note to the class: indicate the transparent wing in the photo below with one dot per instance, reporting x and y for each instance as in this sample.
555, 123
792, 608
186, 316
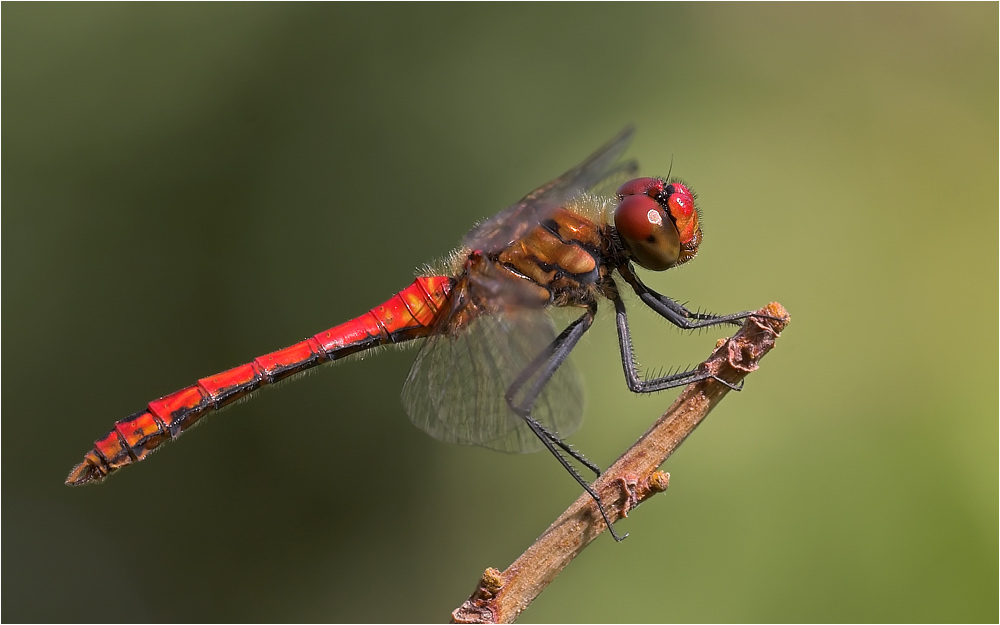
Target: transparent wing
455, 389
512, 223
616, 177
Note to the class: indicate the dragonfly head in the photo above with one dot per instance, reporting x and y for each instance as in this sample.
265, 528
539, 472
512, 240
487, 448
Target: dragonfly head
657, 222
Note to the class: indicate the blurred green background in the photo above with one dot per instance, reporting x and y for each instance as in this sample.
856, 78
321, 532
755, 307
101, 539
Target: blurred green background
188, 186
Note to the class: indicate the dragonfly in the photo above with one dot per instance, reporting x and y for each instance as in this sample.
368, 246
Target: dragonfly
492, 369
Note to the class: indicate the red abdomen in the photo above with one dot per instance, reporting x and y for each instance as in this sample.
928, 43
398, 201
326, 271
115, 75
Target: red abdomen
407, 315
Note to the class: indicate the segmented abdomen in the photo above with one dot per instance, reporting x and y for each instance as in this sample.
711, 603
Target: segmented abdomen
407, 315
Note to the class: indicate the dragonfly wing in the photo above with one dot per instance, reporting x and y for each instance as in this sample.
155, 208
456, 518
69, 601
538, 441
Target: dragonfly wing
455, 389
515, 221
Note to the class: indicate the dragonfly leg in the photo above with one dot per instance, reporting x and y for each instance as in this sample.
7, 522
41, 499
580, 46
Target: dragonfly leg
678, 314
545, 435
552, 436
544, 367
632, 378
541, 370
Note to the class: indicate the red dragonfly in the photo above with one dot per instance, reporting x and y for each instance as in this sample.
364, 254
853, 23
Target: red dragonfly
492, 370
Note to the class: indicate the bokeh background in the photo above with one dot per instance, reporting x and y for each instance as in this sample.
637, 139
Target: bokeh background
188, 186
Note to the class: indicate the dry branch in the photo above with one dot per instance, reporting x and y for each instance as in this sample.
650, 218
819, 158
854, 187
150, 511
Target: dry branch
501, 596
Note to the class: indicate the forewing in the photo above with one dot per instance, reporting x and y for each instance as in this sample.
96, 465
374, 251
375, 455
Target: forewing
455, 389
621, 173
515, 221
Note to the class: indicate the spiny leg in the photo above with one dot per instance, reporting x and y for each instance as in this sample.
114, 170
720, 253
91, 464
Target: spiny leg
676, 313
544, 435
635, 383
542, 368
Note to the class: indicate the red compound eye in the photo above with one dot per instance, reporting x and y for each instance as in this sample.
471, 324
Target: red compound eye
657, 222
647, 232
680, 203
642, 186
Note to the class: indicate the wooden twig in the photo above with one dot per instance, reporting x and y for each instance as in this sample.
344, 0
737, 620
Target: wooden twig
501, 596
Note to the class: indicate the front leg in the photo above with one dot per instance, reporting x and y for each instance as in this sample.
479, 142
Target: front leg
674, 312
